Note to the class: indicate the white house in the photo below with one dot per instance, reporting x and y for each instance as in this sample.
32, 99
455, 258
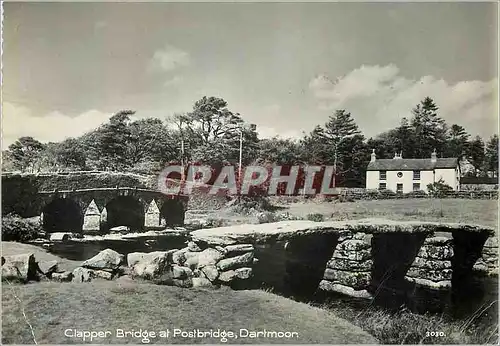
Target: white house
406, 175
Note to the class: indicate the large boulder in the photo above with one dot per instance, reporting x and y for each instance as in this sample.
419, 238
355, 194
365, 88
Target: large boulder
182, 273
238, 249
48, 267
21, 267
106, 259
103, 274
234, 262
152, 268
201, 282
120, 229
240, 273
62, 277
209, 257
60, 236
83, 275
135, 257
192, 246
210, 272
179, 256
191, 259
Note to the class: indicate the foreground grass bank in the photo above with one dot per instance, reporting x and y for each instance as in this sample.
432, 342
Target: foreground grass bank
52, 308
404, 327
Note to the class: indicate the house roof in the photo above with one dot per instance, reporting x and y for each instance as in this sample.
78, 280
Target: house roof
411, 164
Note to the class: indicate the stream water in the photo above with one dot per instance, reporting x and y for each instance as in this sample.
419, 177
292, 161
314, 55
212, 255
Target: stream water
81, 250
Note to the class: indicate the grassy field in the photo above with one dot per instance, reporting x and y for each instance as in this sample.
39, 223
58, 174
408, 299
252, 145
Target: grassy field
51, 308
10, 248
482, 212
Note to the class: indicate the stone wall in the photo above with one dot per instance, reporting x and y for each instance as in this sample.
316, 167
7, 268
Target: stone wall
357, 194
432, 266
350, 268
198, 264
487, 264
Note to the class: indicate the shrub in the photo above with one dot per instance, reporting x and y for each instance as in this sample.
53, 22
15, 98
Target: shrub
266, 217
416, 194
387, 193
15, 228
345, 198
215, 222
316, 217
372, 194
439, 189
286, 217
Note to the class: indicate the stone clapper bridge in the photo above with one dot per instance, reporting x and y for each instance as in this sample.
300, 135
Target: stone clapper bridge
421, 263
99, 209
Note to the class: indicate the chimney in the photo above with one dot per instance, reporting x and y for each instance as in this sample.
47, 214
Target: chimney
397, 156
434, 156
373, 156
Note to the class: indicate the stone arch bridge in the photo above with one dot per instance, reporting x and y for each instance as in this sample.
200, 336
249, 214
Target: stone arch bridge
99, 209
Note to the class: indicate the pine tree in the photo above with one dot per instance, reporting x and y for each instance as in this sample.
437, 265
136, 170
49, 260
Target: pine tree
342, 142
492, 155
475, 153
430, 129
405, 139
457, 143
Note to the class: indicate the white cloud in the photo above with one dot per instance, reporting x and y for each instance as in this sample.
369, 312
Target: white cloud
100, 24
18, 121
270, 132
379, 96
174, 81
170, 58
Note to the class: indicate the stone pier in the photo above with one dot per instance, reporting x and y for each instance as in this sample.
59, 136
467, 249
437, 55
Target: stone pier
349, 270
91, 218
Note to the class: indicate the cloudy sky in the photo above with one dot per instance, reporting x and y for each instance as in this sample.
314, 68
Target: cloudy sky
283, 66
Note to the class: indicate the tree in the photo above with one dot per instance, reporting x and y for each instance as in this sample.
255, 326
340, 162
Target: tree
475, 153
430, 130
25, 152
211, 121
404, 139
71, 154
47, 160
491, 156
457, 143
439, 188
212, 132
111, 142
151, 144
279, 151
339, 142
383, 145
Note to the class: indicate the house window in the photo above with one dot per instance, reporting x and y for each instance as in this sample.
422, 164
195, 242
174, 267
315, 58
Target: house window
382, 186
416, 175
383, 175
416, 186
400, 174
399, 188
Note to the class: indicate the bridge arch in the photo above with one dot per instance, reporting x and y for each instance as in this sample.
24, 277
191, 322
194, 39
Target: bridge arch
172, 211
125, 211
62, 214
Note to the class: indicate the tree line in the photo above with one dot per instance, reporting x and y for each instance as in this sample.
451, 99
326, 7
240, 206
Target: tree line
210, 134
